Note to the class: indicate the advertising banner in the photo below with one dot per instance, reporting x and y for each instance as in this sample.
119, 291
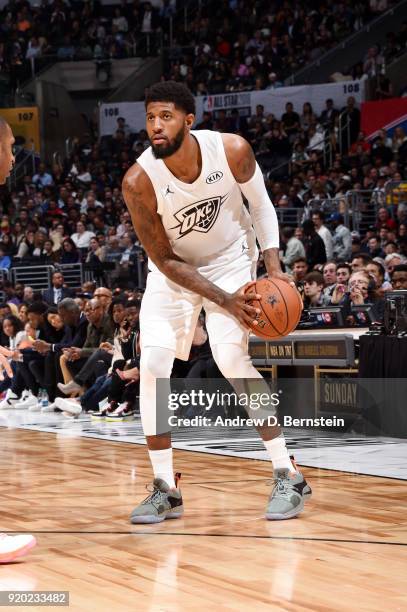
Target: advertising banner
273, 100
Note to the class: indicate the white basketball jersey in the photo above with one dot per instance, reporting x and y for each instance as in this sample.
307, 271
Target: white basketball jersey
206, 221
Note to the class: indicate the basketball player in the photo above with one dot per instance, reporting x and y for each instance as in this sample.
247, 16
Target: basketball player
11, 547
184, 195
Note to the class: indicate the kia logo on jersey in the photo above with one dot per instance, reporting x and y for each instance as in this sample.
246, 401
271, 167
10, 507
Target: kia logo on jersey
214, 177
199, 216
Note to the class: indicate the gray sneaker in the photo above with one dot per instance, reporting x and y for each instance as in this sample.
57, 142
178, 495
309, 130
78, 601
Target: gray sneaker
163, 503
288, 495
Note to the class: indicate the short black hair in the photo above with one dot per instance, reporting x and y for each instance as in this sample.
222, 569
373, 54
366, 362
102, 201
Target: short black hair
319, 213
302, 259
399, 268
39, 308
314, 277
343, 264
171, 91
287, 232
15, 322
364, 257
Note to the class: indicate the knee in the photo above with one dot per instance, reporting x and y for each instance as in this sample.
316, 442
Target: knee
233, 361
156, 363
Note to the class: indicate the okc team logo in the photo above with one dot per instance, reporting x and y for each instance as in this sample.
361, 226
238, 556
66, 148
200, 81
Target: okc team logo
199, 216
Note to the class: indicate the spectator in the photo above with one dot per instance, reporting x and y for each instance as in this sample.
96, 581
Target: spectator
314, 245
318, 219
42, 178
82, 236
377, 271
300, 269
342, 239
294, 248
5, 261
343, 272
313, 290
360, 261
58, 291
74, 359
399, 277
70, 254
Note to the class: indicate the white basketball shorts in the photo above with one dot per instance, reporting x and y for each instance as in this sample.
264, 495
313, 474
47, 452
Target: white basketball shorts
169, 313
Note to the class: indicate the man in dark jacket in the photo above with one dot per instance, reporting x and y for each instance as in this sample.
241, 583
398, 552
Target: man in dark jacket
314, 245
75, 330
57, 292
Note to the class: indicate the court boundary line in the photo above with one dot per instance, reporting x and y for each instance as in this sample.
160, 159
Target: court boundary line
214, 535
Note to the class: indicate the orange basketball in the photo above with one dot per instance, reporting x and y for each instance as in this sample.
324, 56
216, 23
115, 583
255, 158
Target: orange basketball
280, 306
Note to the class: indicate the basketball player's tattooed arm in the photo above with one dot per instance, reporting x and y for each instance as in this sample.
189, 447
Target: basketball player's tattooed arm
242, 163
141, 201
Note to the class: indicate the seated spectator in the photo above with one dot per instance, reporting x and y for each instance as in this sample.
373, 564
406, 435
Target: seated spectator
26, 359
343, 272
104, 295
11, 326
313, 290
5, 260
124, 359
399, 277
58, 291
42, 178
74, 359
375, 269
26, 247
384, 220
75, 327
330, 278
360, 261
393, 260
70, 253
361, 290
374, 248
94, 259
82, 236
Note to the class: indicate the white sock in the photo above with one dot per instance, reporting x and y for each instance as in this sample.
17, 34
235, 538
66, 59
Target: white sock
278, 453
161, 460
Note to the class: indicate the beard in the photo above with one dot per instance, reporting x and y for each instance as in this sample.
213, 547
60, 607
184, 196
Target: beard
166, 150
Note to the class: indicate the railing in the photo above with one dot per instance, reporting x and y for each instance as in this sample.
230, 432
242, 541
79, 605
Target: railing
73, 274
37, 277
365, 204
25, 164
344, 130
292, 217
331, 205
40, 277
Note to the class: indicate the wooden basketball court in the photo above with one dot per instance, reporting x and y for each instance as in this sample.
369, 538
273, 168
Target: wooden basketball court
347, 551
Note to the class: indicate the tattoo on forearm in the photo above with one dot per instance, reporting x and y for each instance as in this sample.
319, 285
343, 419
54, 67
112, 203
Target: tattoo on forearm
152, 235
